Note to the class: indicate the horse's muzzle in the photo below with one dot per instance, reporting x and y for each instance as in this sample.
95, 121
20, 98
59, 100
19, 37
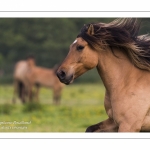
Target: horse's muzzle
63, 77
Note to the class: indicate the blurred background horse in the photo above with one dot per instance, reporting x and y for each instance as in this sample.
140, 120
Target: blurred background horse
28, 78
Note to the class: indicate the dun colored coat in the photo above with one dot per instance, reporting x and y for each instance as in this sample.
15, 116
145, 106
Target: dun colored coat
122, 59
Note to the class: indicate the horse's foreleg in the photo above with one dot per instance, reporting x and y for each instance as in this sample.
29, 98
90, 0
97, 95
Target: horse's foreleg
105, 126
133, 121
30, 93
37, 89
56, 96
23, 94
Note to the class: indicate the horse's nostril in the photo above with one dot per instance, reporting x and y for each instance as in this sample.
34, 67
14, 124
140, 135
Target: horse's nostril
61, 74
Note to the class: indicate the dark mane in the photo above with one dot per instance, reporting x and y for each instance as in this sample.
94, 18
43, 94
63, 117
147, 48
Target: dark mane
121, 34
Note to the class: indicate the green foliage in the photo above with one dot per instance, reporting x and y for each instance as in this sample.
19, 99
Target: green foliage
6, 109
32, 106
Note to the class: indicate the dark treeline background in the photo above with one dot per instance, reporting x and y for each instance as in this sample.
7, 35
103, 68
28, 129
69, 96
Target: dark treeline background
48, 39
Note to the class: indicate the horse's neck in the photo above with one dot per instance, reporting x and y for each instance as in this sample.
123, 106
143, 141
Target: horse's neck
31, 63
114, 69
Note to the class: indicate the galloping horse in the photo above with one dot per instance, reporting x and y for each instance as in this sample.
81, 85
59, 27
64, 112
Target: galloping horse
122, 59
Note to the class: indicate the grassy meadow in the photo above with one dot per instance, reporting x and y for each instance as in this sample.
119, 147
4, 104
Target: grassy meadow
81, 106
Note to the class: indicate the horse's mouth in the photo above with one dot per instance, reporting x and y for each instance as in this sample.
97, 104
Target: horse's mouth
67, 82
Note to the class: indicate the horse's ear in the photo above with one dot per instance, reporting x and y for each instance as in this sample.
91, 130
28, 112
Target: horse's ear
90, 30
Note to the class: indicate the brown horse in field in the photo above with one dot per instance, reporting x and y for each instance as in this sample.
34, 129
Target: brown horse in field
122, 59
28, 78
45, 77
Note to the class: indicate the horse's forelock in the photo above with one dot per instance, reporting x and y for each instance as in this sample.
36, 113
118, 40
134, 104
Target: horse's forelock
87, 35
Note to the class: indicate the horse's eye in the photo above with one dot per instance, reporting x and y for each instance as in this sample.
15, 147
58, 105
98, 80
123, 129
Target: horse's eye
79, 48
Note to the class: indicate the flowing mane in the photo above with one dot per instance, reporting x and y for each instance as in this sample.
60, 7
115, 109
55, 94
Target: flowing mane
121, 34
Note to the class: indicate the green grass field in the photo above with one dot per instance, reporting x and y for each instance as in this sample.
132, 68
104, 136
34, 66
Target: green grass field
81, 106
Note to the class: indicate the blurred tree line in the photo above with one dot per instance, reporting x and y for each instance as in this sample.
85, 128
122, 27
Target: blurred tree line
48, 39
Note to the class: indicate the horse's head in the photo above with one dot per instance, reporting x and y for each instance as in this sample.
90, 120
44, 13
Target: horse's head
81, 58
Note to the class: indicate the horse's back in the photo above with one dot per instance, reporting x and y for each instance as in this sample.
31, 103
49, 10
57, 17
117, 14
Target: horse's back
45, 76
